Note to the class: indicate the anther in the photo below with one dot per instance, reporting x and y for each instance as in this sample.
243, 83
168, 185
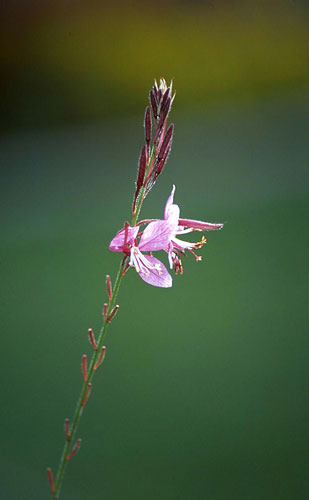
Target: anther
100, 358
51, 480
87, 394
67, 429
92, 339
84, 366
75, 449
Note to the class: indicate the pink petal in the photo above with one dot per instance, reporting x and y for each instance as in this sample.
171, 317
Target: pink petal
170, 201
117, 243
157, 235
198, 224
171, 211
160, 278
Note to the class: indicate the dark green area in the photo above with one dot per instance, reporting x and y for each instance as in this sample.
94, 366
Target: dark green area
204, 392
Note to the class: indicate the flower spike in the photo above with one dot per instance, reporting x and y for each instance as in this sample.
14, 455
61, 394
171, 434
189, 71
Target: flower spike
150, 165
137, 242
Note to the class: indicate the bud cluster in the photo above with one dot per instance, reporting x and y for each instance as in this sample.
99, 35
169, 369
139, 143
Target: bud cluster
158, 140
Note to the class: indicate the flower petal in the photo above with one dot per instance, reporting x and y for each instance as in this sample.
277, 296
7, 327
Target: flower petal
198, 224
118, 242
171, 211
156, 277
156, 235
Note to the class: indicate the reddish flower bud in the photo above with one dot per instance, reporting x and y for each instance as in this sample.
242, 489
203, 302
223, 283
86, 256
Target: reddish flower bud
165, 96
157, 133
140, 176
112, 314
154, 105
162, 162
67, 429
165, 109
100, 358
51, 480
86, 395
105, 307
147, 125
109, 287
166, 142
92, 339
160, 130
142, 167
84, 366
75, 449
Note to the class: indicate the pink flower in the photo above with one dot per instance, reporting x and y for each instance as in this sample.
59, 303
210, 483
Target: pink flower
160, 235
156, 236
177, 246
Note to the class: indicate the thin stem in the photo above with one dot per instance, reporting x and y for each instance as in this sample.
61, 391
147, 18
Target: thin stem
142, 191
80, 406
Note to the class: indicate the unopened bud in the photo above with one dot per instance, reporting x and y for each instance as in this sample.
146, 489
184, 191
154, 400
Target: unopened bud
67, 429
165, 96
147, 125
112, 314
92, 339
166, 141
100, 358
75, 449
84, 367
165, 109
154, 105
162, 162
86, 395
142, 167
109, 287
51, 480
105, 308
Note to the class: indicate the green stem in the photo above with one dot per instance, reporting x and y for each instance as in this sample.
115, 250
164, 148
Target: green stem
80, 407
142, 191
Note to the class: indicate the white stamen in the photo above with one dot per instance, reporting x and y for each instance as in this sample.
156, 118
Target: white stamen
141, 263
185, 231
183, 244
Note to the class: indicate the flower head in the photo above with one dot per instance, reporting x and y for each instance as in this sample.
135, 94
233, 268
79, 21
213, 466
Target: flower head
177, 246
156, 236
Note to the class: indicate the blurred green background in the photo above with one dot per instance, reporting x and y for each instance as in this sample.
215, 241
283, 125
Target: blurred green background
204, 389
